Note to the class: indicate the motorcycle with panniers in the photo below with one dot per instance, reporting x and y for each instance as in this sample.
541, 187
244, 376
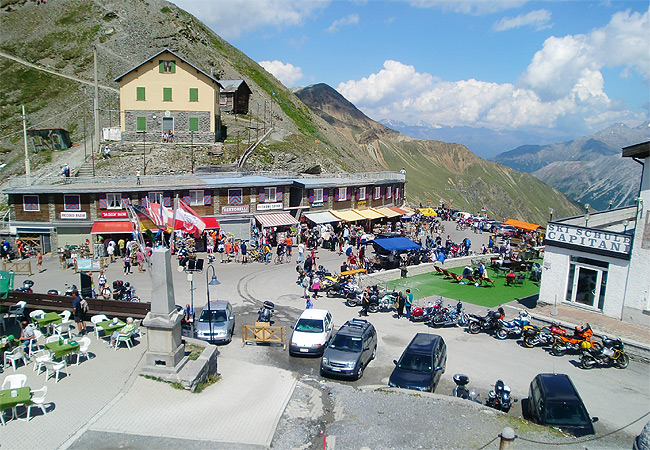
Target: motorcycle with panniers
612, 353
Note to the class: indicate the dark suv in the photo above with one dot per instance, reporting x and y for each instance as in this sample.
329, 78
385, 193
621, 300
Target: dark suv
351, 349
421, 365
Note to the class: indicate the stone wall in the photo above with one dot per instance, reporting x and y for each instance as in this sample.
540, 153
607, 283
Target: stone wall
181, 126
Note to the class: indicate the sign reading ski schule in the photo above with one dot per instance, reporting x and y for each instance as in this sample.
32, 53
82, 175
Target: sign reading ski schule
589, 240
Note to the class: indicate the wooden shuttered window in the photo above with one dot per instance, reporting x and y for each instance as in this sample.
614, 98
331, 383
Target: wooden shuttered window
140, 94
194, 94
166, 66
167, 94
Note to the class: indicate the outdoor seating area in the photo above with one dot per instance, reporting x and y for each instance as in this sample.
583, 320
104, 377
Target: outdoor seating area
51, 355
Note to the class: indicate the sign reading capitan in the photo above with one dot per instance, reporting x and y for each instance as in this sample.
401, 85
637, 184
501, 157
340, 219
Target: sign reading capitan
113, 214
589, 240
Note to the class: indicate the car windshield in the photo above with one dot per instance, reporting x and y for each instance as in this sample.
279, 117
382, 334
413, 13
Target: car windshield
346, 343
310, 326
415, 362
565, 414
214, 315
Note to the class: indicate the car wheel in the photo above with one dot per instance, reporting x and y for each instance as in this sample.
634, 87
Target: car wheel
374, 353
359, 371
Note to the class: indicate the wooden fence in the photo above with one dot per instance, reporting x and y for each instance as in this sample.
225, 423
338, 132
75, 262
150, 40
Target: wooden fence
19, 267
58, 303
264, 333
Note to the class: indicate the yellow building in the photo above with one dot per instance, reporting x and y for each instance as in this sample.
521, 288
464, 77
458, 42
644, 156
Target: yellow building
166, 93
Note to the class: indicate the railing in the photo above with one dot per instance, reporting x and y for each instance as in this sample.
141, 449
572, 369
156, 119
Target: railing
263, 332
59, 303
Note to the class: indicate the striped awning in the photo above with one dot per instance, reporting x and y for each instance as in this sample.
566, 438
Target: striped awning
275, 220
398, 210
322, 217
387, 212
348, 216
369, 213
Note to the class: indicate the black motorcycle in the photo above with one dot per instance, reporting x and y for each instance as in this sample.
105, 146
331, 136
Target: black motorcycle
266, 312
461, 390
488, 322
499, 398
453, 317
611, 354
534, 336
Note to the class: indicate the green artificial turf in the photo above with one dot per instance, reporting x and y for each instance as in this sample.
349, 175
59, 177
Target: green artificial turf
435, 284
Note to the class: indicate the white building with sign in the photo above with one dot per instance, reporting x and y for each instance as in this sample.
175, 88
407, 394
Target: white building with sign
601, 261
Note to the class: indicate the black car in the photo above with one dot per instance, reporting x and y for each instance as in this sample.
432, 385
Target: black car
421, 365
554, 401
351, 349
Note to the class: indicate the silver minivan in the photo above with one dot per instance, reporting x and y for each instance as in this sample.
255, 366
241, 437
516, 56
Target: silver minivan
216, 324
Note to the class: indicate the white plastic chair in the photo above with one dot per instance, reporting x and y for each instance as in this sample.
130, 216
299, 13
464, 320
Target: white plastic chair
126, 338
95, 320
63, 328
136, 330
51, 339
37, 314
14, 381
65, 315
84, 343
34, 347
14, 355
39, 360
38, 399
56, 367
17, 310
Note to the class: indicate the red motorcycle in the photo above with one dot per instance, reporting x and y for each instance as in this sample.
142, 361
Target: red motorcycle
426, 313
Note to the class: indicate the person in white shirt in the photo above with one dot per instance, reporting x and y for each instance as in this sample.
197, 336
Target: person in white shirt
301, 252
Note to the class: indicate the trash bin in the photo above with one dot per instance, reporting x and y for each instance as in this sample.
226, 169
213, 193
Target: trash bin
404, 271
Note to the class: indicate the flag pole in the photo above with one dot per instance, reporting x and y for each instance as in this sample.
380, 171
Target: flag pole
172, 239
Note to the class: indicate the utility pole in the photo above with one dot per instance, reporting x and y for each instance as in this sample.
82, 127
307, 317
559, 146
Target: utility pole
257, 126
27, 166
192, 147
264, 116
96, 105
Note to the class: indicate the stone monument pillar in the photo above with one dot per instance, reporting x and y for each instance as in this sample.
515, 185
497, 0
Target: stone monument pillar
165, 355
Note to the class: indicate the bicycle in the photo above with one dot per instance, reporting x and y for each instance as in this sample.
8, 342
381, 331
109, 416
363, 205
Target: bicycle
279, 259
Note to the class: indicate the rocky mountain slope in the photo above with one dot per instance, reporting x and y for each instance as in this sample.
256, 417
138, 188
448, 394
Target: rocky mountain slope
588, 170
330, 134
438, 170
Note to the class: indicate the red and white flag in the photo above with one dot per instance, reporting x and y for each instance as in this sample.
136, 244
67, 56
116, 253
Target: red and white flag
188, 220
162, 216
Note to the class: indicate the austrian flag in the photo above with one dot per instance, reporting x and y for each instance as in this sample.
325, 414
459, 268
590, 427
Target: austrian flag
188, 220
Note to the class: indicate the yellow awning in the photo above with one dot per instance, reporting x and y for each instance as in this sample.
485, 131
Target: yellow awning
428, 212
369, 213
348, 216
387, 212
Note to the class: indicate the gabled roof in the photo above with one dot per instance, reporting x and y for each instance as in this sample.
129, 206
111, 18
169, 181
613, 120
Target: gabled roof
166, 50
232, 85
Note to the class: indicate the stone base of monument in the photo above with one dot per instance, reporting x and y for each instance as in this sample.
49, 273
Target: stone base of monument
199, 370
165, 355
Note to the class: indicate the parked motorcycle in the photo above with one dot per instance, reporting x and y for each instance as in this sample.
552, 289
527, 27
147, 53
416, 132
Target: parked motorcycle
488, 322
387, 301
123, 291
514, 327
564, 343
70, 289
611, 354
461, 390
265, 313
453, 317
426, 313
27, 287
499, 398
541, 336
357, 300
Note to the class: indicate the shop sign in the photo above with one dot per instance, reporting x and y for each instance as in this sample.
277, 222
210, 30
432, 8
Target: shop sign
234, 209
269, 206
73, 214
113, 214
361, 203
317, 204
590, 240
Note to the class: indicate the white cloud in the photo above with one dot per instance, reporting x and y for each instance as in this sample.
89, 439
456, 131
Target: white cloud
538, 19
473, 7
564, 62
399, 92
350, 19
287, 73
229, 19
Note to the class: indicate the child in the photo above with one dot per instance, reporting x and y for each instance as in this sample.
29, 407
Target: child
310, 304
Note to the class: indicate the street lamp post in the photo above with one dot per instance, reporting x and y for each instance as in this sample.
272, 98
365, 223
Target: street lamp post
213, 282
586, 214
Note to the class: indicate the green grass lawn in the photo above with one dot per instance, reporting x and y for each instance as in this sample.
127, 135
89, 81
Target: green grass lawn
435, 284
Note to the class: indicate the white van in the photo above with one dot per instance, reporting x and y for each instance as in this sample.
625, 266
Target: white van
311, 333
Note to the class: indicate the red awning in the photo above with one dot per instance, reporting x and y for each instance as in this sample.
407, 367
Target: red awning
398, 210
117, 226
210, 223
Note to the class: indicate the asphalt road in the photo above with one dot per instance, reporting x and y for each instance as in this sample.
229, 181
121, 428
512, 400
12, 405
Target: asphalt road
617, 397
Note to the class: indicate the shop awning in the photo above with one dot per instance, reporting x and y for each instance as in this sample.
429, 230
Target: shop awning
322, 217
427, 212
369, 213
522, 225
396, 244
387, 212
118, 226
348, 216
210, 223
398, 210
276, 220
407, 209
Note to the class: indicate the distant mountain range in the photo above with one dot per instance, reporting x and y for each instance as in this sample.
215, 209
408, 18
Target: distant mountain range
589, 169
484, 142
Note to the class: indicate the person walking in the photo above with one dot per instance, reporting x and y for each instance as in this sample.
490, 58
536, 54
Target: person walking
401, 300
316, 286
408, 303
137, 176
127, 265
79, 311
39, 261
301, 252
243, 252
305, 286
121, 244
139, 257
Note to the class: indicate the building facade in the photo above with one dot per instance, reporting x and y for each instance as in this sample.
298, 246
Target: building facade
167, 93
600, 261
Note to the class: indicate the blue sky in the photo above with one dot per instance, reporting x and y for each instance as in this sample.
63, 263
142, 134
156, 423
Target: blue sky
571, 67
